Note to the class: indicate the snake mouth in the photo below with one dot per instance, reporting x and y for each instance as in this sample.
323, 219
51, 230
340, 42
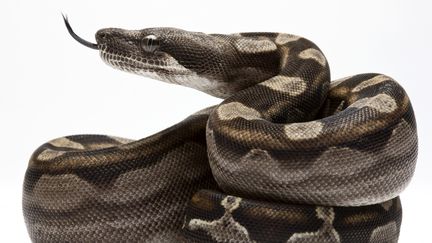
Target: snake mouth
76, 37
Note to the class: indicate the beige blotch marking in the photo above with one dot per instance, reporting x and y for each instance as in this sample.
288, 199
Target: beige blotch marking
284, 50
339, 91
339, 81
384, 233
248, 45
314, 54
66, 143
128, 187
370, 82
304, 130
290, 85
49, 154
387, 205
283, 38
236, 109
61, 192
402, 132
253, 159
361, 218
327, 233
225, 228
257, 155
381, 102
121, 140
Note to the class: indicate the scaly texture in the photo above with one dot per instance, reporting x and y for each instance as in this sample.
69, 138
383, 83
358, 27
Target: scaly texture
288, 156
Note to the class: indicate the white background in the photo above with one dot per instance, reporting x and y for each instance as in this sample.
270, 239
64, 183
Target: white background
51, 86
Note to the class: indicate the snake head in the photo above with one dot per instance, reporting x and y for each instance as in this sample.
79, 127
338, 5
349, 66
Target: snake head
167, 54
209, 63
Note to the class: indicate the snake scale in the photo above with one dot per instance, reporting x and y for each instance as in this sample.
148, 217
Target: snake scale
287, 156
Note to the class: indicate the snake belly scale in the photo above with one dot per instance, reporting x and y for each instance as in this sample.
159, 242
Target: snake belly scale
287, 156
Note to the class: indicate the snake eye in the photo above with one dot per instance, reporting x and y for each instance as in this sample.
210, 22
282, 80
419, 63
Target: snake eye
150, 43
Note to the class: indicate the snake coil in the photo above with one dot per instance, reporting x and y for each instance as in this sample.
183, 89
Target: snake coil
288, 156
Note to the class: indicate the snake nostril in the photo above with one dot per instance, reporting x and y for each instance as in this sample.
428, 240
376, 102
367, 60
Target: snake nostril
102, 35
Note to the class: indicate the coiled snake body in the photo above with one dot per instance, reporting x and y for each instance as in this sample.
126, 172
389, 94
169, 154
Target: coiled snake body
288, 156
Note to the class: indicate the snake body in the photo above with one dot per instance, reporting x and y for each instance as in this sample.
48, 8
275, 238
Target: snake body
288, 156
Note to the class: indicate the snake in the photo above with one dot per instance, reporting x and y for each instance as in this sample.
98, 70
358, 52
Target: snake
287, 156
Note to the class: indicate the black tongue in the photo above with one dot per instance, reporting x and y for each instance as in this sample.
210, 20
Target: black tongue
76, 37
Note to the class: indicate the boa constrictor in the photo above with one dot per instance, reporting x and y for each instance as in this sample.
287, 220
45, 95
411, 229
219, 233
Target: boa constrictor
288, 156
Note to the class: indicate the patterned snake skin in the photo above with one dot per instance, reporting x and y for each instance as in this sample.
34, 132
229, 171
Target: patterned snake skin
288, 156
